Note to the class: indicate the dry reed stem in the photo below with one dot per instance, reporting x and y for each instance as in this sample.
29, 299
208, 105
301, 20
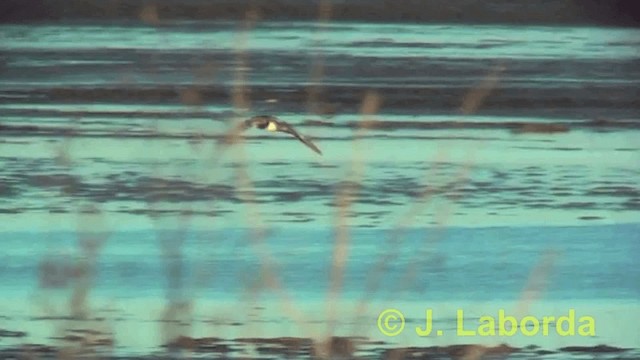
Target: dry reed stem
475, 96
239, 97
537, 281
540, 273
345, 196
91, 235
257, 243
441, 220
474, 99
176, 308
149, 15
90, 241
471, 103
192, 98
533, 288
317, 66
394, 243
170, 244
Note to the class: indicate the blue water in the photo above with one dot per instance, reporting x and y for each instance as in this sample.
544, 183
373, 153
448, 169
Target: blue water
481, 264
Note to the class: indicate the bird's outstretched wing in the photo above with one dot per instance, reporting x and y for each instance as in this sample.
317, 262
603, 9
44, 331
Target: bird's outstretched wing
284, 127
260, 121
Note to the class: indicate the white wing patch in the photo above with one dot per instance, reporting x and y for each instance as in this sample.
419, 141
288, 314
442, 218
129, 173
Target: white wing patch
272, 126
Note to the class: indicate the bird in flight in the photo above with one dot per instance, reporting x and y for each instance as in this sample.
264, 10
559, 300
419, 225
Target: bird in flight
272, 123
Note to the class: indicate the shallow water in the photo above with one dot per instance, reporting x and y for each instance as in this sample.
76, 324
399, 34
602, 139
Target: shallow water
96, 139
451, 263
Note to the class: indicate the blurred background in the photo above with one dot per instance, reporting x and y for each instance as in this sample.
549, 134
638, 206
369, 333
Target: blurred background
476, 155
568, 12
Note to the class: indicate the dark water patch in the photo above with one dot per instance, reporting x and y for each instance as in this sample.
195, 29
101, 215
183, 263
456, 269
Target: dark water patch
76, 132
118, 115
631, 204
567, 148
601, 123
172, 190
598, 349
64, 318
30, 351
590, 217
537, 128
570, 177
120, 187
526, 187
377, 202
297, 220
276, 163
403, 97
625, 191
69, 338
150, 65
95, 339
307, 186
579, 205
130, 94
619, 12
435, 125
286, 196
449, 352
624, 43
323, 166
538, 204
12, 334
533, 168
535, 181
528, 193
489, 187
562, 193
549, 148
13, 210
390, 43
283, 346
13, 142
8, 189
173, 212
200, 345
87, 331
18, 128
533, 172
54, 180
372, 214
543, 352
390, 136
186, 347
321, 123
295, 213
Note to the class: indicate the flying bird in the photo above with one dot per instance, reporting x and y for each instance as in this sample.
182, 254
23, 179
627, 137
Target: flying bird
272, 123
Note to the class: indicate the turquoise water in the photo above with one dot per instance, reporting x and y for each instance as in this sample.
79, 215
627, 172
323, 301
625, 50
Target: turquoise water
483, 264
98, 150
